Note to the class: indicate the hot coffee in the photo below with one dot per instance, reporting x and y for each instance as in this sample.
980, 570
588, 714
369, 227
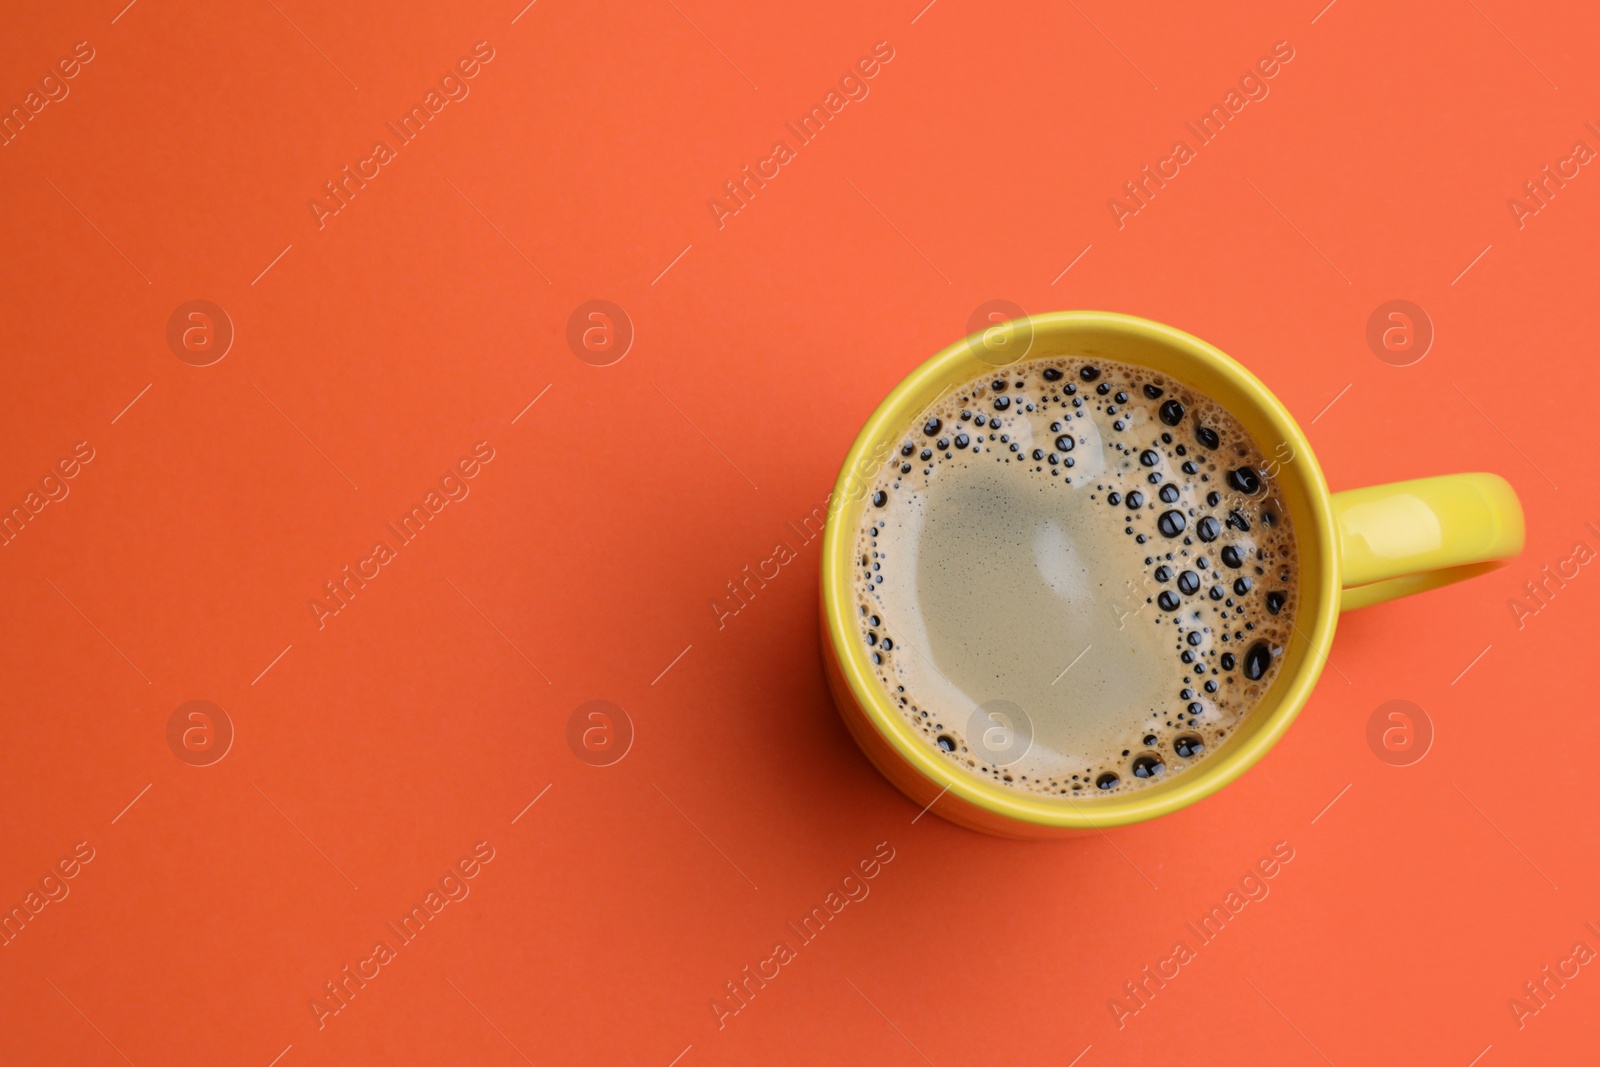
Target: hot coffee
1075, 576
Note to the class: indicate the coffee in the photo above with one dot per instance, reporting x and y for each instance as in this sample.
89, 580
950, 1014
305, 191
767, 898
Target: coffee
1075, 577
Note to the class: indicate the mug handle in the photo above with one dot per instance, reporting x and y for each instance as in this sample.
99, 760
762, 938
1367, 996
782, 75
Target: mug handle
1409, 537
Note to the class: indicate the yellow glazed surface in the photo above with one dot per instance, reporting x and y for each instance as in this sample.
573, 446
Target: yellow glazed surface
1356, 548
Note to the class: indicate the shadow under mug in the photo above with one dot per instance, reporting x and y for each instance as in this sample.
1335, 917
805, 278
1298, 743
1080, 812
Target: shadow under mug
1356, 548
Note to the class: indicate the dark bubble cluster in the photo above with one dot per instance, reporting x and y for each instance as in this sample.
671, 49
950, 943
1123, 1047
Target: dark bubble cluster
1184, 482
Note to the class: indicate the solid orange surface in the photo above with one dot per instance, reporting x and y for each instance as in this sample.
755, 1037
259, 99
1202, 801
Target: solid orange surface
421, 726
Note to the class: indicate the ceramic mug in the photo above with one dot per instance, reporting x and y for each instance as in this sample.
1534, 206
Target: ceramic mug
1358, 547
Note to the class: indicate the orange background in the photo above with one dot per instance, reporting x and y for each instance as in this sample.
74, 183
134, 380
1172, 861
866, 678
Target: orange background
373, 753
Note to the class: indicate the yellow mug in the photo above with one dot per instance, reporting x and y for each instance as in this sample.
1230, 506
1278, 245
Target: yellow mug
1358, 547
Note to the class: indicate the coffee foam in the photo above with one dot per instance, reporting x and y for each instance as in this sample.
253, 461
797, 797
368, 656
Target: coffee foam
1076, 577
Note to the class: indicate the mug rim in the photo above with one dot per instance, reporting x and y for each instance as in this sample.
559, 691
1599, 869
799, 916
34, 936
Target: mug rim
896, 412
